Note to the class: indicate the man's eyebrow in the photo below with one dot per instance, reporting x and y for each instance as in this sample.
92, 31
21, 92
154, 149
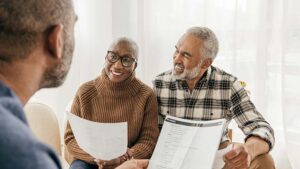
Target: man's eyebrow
184, 52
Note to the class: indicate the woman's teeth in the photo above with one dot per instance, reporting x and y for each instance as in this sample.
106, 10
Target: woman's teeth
116, 73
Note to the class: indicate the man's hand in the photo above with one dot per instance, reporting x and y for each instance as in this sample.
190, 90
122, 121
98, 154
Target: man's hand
237, 158
134, 164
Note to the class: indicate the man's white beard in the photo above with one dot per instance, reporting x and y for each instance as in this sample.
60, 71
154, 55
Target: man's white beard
188, 74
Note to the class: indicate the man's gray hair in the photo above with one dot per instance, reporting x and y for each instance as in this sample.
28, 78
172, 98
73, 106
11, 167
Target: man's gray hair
133, 47
210, 42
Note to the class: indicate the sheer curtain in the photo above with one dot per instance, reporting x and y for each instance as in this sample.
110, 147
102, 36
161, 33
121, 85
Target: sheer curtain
291, 79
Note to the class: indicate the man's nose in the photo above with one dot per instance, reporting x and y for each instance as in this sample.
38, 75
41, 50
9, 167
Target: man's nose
177, 57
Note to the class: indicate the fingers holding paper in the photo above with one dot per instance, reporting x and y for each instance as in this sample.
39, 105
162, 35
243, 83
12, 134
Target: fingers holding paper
130, 164
108, 164
238, 157
111, 164
134, 164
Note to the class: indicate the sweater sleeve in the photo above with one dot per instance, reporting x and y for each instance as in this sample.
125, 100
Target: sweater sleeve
146, 142
69, 137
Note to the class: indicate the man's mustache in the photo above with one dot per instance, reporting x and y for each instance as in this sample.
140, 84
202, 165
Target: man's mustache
179, 65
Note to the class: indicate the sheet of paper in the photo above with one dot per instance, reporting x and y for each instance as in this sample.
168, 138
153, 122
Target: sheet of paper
187, 144
219, 162
103, 141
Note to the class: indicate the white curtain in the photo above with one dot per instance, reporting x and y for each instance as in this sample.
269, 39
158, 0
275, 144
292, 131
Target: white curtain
259, 43
291, 78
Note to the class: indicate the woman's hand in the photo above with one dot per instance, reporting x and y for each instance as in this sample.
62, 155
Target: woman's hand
111, 164
134, 164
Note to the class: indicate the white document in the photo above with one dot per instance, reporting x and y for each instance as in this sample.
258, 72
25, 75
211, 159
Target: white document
103, 141
219, 162
187, 144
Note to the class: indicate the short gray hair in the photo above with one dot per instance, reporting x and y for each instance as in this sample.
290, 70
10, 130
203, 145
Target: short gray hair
133, 47
210, 42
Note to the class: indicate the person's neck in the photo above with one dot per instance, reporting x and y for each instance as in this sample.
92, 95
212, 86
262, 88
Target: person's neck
192, 82
20, 77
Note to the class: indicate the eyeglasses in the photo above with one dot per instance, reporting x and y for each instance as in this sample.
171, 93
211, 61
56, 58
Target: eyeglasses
126, 60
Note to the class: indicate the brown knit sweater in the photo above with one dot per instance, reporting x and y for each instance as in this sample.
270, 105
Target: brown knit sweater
131, 101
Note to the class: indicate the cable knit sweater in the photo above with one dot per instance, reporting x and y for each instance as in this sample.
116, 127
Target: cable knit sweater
131, 101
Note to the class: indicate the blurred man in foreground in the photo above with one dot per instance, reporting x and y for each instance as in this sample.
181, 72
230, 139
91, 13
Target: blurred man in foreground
36, 48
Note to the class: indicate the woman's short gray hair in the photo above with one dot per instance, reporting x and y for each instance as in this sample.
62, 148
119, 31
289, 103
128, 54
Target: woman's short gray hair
210, 42
133, 47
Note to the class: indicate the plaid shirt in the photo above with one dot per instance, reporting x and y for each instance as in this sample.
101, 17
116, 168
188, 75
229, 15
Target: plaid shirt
216, 95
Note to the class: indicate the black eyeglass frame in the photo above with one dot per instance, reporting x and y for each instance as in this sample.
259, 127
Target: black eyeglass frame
123, 58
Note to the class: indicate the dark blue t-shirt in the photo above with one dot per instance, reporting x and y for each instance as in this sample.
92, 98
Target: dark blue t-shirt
19, 148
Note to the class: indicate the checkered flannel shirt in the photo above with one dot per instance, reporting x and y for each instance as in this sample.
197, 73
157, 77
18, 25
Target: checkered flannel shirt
216, 95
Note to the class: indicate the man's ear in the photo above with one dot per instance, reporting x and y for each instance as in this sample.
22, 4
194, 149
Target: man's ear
55, 41
206, 63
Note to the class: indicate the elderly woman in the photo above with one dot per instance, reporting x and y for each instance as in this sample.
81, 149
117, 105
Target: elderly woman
117, 96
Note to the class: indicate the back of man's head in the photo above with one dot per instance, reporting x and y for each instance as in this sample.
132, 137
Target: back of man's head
22, 21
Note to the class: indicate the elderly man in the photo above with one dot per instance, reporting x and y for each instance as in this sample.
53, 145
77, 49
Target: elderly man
36, 48
194, 89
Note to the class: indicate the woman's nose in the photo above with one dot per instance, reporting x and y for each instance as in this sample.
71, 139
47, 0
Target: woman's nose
118, 64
